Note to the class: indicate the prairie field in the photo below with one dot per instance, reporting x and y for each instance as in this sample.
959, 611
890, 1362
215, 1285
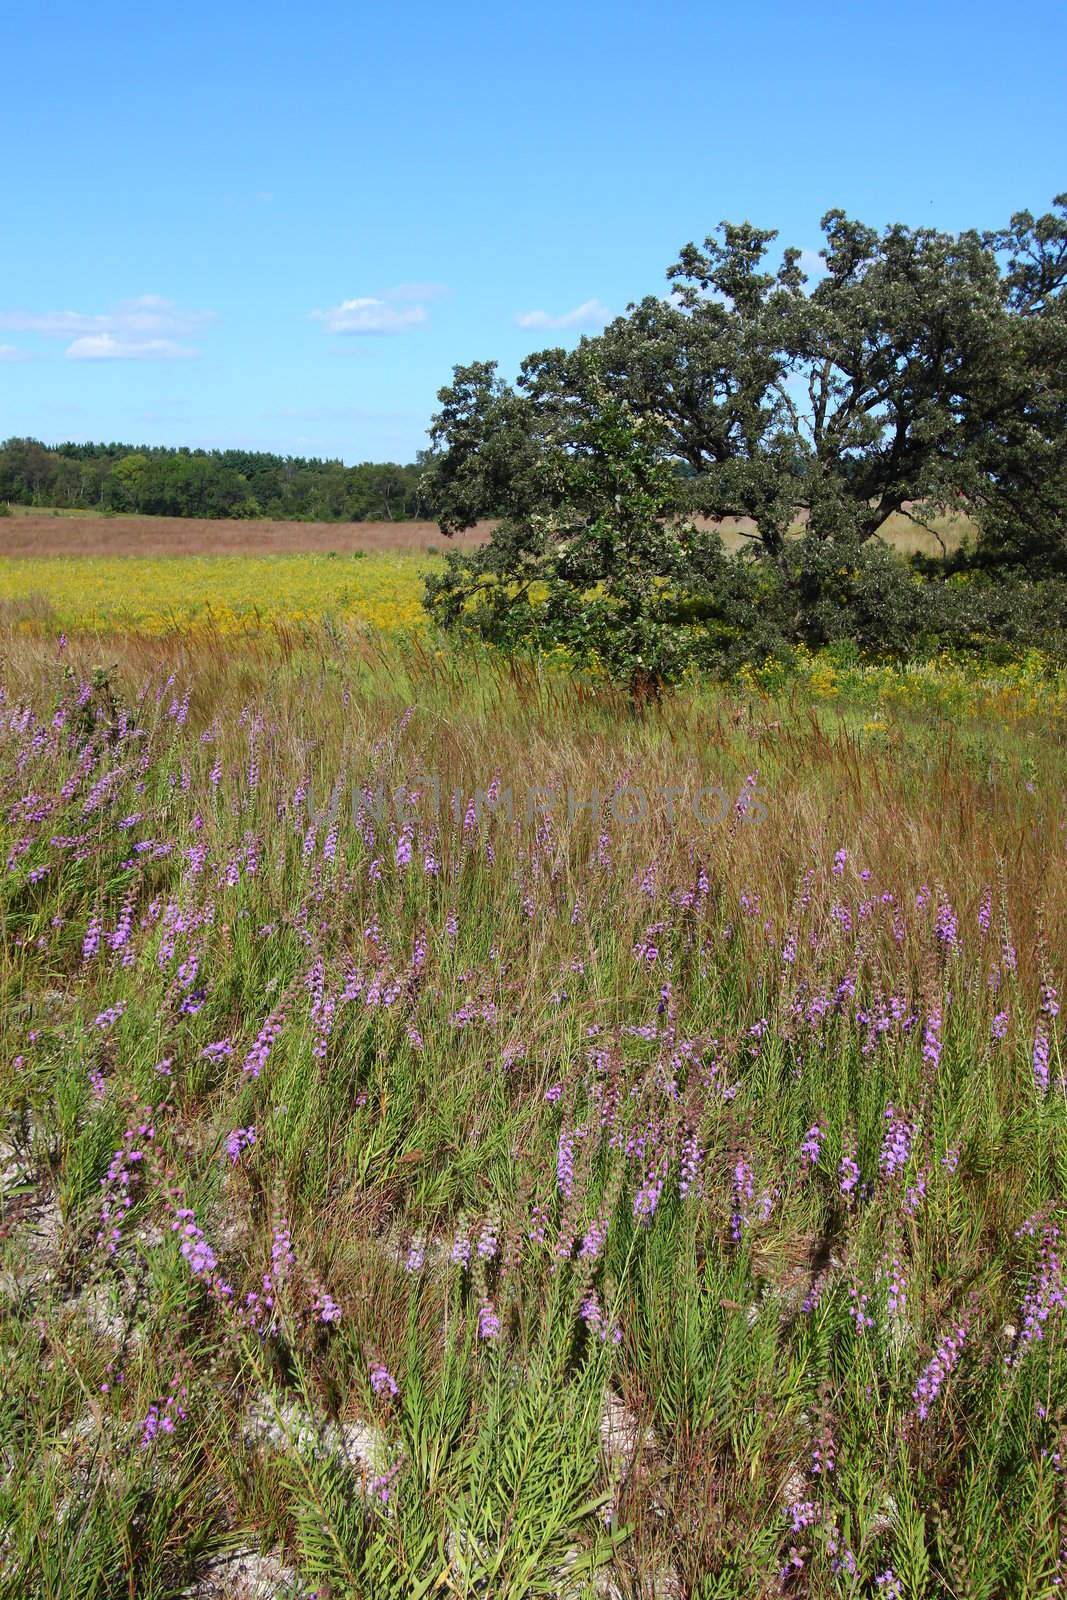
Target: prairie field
225, 594
462, 1137
159, 575
41, 534
44, 533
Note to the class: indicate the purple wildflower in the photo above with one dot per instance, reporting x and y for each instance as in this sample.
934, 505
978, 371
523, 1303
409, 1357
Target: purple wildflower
985, 910
488, 1322
896, 1143
647, 1197
811, 1146
858, 1309
281, 1249
194, 1247
937, 1370
802, 1513
896, 1296
382, 1380
595, 1236
592, 1315
691, 1158
1046, 1293
91, 942
165, 1416
565, 1163
237, 1141
932, 1038
325, 1307
848, 1174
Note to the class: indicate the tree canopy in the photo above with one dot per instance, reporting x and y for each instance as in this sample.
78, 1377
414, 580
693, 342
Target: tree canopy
918, 368
915, 371
165, 482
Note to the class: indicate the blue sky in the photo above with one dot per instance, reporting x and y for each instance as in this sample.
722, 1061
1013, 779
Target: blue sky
280, 226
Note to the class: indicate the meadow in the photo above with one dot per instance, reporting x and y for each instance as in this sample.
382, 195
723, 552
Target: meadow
31, 532
161, 574
50, 530
225, 594
464, 1138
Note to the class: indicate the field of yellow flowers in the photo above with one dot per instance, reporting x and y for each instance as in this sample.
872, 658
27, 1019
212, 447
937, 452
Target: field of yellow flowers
228, 594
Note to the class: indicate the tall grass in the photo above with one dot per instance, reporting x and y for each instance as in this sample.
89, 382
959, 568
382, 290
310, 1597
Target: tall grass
414, 1202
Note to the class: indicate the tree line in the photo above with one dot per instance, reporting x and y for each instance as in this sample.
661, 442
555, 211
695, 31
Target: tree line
916, 371
158, 481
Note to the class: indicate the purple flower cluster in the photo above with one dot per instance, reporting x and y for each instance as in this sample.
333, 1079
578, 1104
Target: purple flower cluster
848, 1175
690, 1160
117, 1198
932, 1038
256, 1059
1046, 1292
282, 1256
595, 1237
592, 1315
896, 1294
896, 1143
565, 1163
811, 1146
857, 1310
382, 1380
802, 1514
239, 1140
648, 1195
488, 1322
108, 1018
194, 1247
324, 1307
824, 1454
744, 1189
165, 1415
937, 1369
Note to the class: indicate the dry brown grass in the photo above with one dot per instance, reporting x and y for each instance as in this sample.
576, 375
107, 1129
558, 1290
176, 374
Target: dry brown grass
40, 533
48, 533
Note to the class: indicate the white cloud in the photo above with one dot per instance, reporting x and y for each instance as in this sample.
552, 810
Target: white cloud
106, 347
393, 311
591, 314
148, 327
10, 352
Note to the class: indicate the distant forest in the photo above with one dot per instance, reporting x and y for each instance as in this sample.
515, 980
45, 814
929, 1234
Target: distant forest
164, 482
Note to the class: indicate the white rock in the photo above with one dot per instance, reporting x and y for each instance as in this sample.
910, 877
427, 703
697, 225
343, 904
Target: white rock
248, 1575
621, 1435
284, 1425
